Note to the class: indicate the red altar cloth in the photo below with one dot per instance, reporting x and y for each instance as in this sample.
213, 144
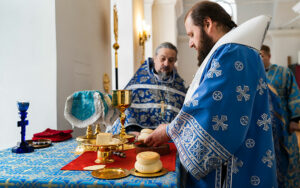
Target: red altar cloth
88, 159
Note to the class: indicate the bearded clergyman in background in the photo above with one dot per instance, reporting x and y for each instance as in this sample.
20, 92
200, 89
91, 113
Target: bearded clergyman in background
158, 92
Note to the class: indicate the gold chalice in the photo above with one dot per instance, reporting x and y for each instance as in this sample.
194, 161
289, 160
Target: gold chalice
122, 100
104, 151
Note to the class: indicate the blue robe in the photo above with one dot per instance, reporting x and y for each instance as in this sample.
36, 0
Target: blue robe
147, 94
227, 124
278, 126
284, 82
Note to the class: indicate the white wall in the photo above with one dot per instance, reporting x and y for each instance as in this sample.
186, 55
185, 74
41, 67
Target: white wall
27, 67
283, 43
187, 60
126, 39
138, 12
148, 19
83, 50
283, 39
164, 20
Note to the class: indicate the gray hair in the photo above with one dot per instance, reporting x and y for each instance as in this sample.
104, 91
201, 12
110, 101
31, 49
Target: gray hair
166, 45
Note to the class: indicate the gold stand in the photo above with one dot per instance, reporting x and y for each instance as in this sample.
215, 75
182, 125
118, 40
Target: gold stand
122, 100
104, 153
85, 141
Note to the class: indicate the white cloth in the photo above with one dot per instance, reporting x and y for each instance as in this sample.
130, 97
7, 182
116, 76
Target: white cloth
255, 29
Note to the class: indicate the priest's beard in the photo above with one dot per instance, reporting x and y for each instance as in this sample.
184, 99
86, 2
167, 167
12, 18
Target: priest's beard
164, 75
206, 44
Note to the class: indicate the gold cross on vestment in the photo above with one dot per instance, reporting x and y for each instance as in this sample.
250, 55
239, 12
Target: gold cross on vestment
162, 108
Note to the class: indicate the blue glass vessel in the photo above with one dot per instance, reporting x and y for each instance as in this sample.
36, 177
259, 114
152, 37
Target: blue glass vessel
23, 147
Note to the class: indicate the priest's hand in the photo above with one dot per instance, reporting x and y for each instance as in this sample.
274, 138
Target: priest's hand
135, 133
158, 136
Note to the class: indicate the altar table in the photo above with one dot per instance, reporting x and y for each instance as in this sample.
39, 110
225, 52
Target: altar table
41, 168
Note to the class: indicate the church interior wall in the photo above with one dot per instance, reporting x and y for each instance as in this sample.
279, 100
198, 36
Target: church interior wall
284, 43
187, 60
27, 67
83, 50
138, 16
164, 25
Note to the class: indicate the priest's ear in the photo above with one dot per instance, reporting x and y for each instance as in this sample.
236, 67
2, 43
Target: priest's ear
207, 25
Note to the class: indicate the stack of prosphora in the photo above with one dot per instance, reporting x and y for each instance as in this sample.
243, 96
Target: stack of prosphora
148, 162
141, 146
144, 134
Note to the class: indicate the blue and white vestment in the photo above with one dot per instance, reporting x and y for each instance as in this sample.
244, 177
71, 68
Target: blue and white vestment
148, 91
283, 80
225, 122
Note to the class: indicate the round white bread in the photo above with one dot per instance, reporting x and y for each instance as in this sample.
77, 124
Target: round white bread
143, 136
148, 168
147, 157
148, 131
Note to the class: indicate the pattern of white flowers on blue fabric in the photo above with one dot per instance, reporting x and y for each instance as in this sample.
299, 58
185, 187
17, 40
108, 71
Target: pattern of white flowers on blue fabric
239, 66
236, 165
255, 180
219, 122
244, 120
193, 101
265, 122
268, 158
214, 70
217, 95
250, 143
261, 86
242, 93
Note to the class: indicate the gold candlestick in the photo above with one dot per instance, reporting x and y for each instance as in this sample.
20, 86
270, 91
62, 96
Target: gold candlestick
144, 35
116, 45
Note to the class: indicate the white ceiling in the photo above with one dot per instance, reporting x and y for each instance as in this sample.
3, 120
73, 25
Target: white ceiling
283, 16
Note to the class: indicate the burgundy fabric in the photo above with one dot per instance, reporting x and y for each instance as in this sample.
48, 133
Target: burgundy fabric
297, 75
88, 159
53, 135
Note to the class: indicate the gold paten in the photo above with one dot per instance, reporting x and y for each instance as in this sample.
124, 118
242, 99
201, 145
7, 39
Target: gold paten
129, 146
110, 173
40, 143
162, 172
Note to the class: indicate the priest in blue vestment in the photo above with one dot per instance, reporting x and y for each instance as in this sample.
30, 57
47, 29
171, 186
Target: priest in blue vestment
284, 82
223, 132
158, 92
